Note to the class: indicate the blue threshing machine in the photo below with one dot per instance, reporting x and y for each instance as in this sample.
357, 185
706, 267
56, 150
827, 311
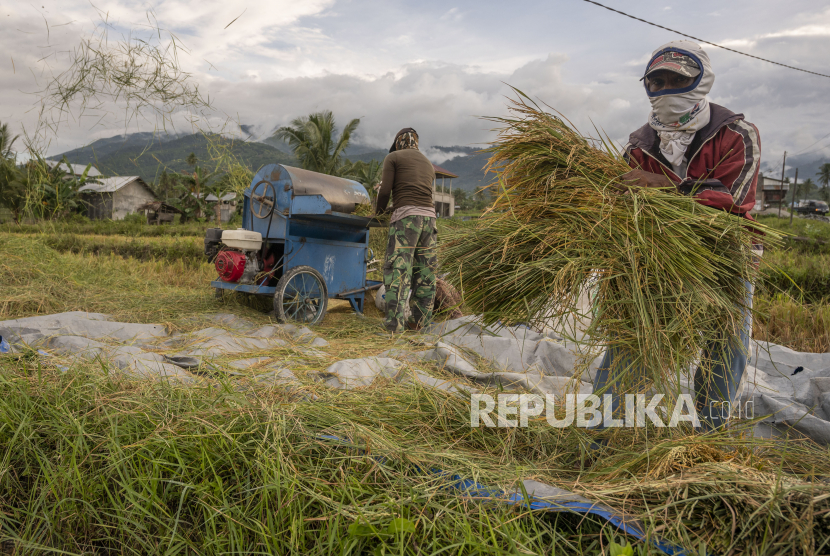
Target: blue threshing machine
300, 243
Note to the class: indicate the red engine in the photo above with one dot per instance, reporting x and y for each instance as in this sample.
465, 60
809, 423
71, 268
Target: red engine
230, 265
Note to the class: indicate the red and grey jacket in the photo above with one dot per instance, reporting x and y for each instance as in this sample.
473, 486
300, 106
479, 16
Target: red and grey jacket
723, 161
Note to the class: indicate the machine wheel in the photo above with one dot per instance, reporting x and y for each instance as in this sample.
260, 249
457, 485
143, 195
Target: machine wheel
264, 200
301, 296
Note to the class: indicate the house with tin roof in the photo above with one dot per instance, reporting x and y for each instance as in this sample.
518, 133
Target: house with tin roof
116, 197
444, 202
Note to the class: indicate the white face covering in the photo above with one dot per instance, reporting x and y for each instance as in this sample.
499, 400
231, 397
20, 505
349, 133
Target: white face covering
677, 116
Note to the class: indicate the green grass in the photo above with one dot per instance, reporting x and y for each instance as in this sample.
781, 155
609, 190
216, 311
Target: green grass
811, 236
96, 463
802, 275
186, 250
101, 465
130, 228
803, 227
36, 279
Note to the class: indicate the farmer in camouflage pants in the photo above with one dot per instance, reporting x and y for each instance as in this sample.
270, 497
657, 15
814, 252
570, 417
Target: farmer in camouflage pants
410, 254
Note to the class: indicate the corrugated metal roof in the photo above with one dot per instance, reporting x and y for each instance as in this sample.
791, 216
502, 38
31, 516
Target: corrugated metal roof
226, 197
78, 169
773, 184
442, 173
108, 185
211, 198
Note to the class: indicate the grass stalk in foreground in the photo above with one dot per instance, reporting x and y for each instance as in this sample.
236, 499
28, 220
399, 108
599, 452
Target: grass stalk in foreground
97, 463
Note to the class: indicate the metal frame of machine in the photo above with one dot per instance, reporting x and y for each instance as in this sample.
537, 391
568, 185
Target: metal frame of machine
312, 248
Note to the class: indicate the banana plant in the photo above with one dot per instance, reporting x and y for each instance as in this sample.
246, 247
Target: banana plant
58, 185
12, 188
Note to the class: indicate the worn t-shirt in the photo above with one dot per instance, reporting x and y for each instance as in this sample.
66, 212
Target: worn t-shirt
408, 176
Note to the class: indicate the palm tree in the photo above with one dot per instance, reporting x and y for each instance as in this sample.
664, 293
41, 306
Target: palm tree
312, 141
367, 173
824, 179
191, 159
806, 188
6, 142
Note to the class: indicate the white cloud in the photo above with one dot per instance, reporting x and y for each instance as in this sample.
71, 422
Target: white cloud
436, 69
820, 27
437, 156
620, 104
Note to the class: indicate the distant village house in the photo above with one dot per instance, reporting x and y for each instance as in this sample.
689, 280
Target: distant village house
769, 192
444, 202
116, 197
159, 212
227, 205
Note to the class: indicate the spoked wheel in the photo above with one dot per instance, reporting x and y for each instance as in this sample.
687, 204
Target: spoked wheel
301, 296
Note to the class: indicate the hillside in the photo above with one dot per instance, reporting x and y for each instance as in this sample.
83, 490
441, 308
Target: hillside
146, 155
102, 148
469, 167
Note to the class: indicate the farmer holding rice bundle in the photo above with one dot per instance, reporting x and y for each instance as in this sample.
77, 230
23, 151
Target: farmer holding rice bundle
713, 154
410, 254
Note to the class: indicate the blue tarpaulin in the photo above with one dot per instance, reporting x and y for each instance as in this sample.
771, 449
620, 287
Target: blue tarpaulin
543, 497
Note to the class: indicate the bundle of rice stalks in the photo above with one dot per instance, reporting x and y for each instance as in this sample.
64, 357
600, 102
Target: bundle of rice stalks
668, 275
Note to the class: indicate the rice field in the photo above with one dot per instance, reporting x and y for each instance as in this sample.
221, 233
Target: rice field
133, 226
97, 464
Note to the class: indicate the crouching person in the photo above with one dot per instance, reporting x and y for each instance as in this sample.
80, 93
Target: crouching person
411, 260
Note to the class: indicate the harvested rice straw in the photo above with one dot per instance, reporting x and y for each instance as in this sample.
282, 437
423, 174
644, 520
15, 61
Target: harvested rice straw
669, 273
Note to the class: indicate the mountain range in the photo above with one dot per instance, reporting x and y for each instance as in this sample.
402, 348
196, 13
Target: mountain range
147, 154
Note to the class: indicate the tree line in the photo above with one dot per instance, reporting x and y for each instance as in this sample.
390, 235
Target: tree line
808, 189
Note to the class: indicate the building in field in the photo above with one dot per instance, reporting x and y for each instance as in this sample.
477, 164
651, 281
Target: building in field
769, 192
444, 202
158, 212
116, 197
226, 207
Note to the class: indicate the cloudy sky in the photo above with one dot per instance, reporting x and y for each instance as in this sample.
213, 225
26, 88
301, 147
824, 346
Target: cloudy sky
433, 65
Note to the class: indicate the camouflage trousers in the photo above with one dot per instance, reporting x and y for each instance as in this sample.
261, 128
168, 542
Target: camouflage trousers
411, 262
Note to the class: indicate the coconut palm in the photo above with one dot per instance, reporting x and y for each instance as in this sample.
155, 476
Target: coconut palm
824, 174
806, 188
824, 179
6, 142
367, 173
312, 140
